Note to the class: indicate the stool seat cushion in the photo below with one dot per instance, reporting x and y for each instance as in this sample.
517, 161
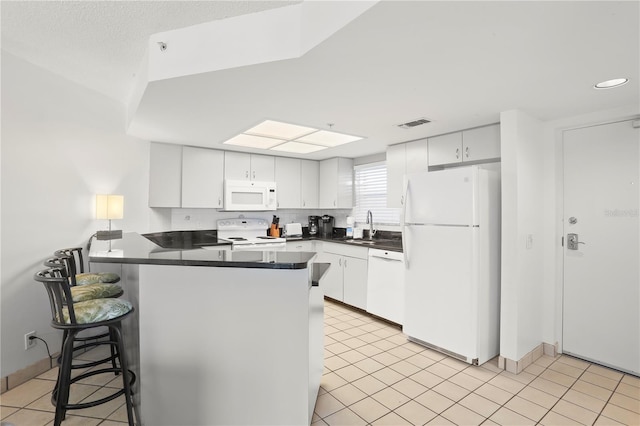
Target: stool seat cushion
81, 293
97, 277
96, 310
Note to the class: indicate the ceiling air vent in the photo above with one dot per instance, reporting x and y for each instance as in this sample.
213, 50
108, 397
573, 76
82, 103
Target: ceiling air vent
414, 123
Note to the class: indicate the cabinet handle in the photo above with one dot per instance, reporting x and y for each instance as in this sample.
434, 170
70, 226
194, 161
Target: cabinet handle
219, 201
254, 174
345, 263
466, 152
246, 174
457, 153
401, 199
304, 203
340, 261
334, 203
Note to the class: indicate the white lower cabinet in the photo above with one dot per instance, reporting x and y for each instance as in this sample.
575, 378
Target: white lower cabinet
346, 280
300, 246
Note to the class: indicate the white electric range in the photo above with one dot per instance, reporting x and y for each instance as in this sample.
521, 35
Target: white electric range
249, 234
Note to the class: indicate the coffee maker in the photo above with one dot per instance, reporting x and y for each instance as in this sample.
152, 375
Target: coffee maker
313, 225
326, 226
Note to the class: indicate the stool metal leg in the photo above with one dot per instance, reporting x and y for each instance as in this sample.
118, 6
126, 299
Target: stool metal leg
64, 379
124, 365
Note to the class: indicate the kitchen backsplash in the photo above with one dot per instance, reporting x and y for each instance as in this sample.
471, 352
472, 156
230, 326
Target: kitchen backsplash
193, 219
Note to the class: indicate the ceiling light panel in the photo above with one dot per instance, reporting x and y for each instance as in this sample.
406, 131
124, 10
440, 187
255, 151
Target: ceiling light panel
277, 129
327, 138
251, 141
298, 148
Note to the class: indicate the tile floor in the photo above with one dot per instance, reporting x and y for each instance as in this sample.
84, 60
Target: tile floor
373, 375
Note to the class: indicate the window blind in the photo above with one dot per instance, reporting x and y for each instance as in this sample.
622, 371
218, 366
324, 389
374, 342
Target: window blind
371, 194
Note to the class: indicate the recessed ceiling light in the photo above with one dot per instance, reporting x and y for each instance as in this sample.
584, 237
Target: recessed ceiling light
327, 138
251, 141
277, 129
610, 84
298, 148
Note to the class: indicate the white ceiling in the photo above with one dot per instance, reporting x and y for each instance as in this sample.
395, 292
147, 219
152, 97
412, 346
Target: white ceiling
457, 63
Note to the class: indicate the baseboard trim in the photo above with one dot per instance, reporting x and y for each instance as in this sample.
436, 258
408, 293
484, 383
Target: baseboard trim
29, 372
516, 367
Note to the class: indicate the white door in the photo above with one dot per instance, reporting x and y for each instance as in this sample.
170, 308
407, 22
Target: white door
601, 301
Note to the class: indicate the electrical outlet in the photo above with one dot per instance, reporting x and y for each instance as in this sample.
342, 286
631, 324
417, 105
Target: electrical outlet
29, 343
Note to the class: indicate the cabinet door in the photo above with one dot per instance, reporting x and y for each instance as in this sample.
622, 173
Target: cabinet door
202, 177
309, 177
396, 169
482, 143
263, 168
165, 175
237, 165
355, 282
288, 182
345, 183
445, 149
329, 184
416, 156
332, 282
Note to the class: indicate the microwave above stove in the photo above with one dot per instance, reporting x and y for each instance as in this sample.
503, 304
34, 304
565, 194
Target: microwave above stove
246, 195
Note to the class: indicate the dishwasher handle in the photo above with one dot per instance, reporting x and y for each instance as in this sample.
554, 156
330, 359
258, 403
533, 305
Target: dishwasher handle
389, 256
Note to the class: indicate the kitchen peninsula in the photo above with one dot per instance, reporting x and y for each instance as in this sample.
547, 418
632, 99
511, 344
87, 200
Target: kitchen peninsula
220, 336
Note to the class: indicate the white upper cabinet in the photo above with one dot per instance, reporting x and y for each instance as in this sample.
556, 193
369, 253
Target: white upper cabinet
396, 167
479, 144
288, 182
165, 175
403, 159
309, 177
482, 143
202, 177
243, 166
445, 149
336, 183
417, 156
263, 168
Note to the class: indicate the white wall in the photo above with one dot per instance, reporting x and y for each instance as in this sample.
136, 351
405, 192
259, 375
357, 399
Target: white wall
522, 269
532, 202
61, 145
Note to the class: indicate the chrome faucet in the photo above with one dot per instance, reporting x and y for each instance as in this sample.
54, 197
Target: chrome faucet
372, 232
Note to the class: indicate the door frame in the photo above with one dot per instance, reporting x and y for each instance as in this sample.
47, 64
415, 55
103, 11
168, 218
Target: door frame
559, 213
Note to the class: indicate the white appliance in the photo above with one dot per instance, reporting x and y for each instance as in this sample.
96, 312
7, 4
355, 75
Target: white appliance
385, 285
249, 234
451, 242
246, 195
293, 230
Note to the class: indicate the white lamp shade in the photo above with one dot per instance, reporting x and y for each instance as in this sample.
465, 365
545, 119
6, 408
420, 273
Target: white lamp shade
109, 206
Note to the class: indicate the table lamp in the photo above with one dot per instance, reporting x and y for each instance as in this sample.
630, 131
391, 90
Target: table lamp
109, 207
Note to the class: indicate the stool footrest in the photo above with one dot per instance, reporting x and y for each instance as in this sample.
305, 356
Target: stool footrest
89, 404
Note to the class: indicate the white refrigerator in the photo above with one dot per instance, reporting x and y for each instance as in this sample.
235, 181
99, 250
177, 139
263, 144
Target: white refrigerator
451, 242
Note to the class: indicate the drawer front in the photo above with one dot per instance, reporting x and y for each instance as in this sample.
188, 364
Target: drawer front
345, 250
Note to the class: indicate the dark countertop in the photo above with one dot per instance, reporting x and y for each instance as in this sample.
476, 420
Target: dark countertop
390, 242
134, 248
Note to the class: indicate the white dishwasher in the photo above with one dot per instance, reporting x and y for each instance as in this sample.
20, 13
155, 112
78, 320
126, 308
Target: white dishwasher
385, 287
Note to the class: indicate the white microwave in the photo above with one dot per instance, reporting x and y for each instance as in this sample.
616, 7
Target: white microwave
246, 195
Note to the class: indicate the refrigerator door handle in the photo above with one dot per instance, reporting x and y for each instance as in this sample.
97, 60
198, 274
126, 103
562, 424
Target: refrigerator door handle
405, 246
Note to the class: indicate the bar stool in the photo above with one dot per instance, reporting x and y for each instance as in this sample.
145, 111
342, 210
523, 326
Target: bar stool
74, 318
83, 278
82, 293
